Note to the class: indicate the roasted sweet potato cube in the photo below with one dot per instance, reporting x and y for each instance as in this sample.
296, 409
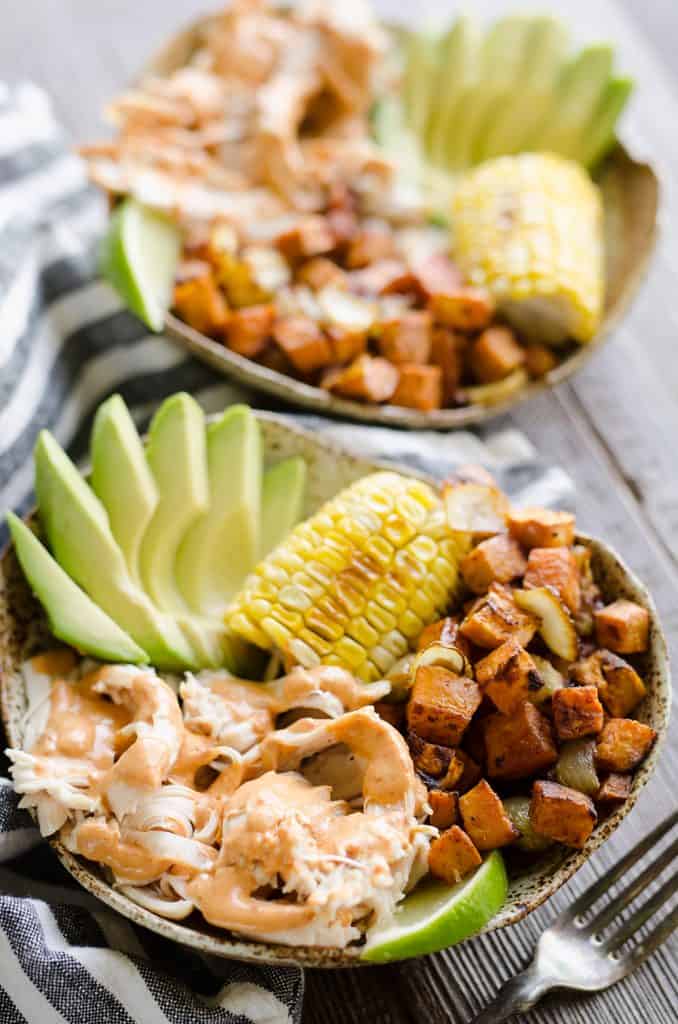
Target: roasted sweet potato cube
623, 626
394, 714
498, 618
452, 856
509, 675
432, 759
303, 343
498, 559
419, 387
555, 568
441, 705
249, 330
588, 671
541, 527
577, 712
614, 789
445, 631
437, 275
539, 360
485, 819
622, 744
368, 378
447, 352
495, 354
369, 244
444, 808
466, 309
407, 339
519, 744
310, 236
385, 277
346, 344
622, 688
319, 272
562, 814
201, 304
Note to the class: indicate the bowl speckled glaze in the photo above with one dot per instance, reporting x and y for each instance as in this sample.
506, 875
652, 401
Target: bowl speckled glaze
630, 191
23, 632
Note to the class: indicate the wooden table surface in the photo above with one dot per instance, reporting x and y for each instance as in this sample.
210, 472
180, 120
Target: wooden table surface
615, 430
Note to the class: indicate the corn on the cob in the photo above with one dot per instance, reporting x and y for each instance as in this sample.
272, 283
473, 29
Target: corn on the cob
356, 583
529, 228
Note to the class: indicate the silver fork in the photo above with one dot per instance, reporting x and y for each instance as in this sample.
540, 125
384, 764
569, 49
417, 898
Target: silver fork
573, 953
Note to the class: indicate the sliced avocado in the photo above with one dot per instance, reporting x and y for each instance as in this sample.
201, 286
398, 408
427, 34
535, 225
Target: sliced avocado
282, 501
421, 56
222, 547
578, 94
455, 76
523, 108
79, 534
121, 478
73, 616
177, 458
599, 135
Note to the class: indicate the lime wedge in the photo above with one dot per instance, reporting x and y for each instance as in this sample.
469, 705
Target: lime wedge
139, 257
435, 915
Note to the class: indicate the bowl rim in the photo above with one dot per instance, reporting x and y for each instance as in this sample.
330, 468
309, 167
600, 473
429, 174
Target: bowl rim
224, 944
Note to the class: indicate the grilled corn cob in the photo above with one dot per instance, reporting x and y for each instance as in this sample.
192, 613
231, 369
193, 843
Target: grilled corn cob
356, 583
529, 228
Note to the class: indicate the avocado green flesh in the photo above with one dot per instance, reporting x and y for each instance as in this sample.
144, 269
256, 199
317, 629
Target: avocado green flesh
282, 502
72, 616
121, 478
177, 459
139, 255
222, 546
599, 137
77, 528
577, 95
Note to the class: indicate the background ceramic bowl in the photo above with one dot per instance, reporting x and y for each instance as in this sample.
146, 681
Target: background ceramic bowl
23, 632
630, 198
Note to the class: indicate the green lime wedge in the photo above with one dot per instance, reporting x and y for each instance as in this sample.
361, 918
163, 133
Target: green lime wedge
435, 916
139, 257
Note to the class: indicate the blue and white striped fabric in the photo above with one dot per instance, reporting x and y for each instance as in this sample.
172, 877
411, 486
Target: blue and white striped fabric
65, 344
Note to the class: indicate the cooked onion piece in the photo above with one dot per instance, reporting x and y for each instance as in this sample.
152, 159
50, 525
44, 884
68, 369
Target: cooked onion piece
556, 625
576, 766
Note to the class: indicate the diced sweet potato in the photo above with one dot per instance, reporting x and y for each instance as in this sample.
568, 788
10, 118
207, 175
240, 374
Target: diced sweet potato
623, 744
555, 568
419, 387
623, 626
249, 330
539, 360
394, 714
303, 343
485, 819
470, 774
622, 688
407, 339
346, 344
437, 275
495, 354
385, 277
498, 559
562, 814
319, 272
431, 759
614, 789
441, 705
369, 244
310, 236
444, 808
498, 618
368, 378
446, 631
201, 304
577, 712
509, 675
588, 671
447, 352
541, 527
466, 309
452, 856
519, 744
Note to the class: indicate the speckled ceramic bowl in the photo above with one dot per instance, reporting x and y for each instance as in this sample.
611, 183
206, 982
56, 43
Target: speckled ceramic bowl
630, 191
23, 632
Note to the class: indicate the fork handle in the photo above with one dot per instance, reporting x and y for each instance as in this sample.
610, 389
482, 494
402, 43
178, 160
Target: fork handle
517, 996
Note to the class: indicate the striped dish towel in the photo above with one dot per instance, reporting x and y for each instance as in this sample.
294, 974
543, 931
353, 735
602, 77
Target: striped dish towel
65, 344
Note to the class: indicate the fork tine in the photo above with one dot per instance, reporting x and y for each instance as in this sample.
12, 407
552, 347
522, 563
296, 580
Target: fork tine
595, 891
661, 933
625, 897
643, 914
